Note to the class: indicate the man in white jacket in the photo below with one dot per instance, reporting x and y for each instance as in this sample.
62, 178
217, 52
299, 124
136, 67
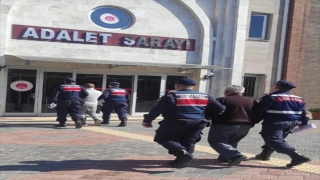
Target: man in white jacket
90, 104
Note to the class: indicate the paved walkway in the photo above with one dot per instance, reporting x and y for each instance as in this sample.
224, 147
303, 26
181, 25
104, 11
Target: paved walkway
32, 149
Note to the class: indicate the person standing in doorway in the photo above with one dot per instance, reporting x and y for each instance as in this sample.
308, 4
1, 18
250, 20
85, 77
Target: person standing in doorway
69, 101
90, 105
117, 99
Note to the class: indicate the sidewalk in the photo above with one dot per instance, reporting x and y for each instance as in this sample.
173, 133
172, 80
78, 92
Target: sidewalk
32, 149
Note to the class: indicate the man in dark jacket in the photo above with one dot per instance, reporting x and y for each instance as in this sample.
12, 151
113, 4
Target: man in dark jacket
282, 112
117, 99
69, 96
232, 125
183, 113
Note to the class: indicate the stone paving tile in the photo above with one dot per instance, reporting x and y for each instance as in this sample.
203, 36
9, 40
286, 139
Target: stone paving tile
38, 152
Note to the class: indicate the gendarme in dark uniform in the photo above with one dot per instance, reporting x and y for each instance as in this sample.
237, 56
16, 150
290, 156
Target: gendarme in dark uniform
116, 99
282, 112
183, 113
69, 101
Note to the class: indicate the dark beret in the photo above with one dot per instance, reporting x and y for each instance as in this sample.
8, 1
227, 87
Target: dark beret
114, 83
286, 84
69, 80
187, 82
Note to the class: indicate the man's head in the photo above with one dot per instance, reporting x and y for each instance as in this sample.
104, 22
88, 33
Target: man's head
89, 85
69, 80
114, 84
284, 86
233, 90
184, 84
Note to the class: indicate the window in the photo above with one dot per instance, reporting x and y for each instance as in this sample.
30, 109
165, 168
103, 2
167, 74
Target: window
254, 85
258, 26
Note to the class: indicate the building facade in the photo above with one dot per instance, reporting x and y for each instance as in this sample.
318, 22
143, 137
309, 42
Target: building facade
146, 45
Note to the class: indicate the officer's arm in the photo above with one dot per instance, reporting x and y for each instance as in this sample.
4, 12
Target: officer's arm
84, 93
264, 105
128, 97
54, 95
214, 107
104, 95
156, 110
304, 119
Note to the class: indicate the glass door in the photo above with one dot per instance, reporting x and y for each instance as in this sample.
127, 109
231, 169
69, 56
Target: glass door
50, 81
148, 91
21, 91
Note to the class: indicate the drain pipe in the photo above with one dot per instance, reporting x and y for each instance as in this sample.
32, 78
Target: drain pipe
283, 39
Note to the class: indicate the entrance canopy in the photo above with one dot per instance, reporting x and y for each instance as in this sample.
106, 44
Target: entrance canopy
113, 63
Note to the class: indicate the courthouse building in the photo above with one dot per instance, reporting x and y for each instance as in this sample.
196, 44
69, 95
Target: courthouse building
146, 45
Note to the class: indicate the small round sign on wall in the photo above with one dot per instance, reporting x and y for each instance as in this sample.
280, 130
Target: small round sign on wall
21, 86
110, 17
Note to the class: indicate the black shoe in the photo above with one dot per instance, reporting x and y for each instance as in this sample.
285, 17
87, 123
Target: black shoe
60, 125
222, 159
264, 155
123, 123
235, 161
184, 160
105, 122
297, 159
174, 162
78, 124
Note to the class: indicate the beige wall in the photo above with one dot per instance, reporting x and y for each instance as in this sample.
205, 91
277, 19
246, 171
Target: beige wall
262, 55
153, 18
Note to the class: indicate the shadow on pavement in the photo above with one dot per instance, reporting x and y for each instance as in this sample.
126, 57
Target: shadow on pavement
26, 125
142, 166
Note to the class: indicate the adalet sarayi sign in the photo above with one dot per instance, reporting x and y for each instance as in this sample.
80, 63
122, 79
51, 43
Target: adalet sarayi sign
100, 38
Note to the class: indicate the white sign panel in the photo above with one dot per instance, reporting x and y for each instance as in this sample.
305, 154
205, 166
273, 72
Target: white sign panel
21, 86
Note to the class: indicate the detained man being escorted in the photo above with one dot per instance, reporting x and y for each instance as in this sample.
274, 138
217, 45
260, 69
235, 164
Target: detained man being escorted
232, 125
90, 104
183, 112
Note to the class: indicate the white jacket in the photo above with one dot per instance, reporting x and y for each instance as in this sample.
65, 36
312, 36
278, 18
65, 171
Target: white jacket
92, 98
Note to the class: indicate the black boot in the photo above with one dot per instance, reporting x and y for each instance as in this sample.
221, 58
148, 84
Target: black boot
297, 159
264, 155
235, 161
184, 159
105, 122
78, 123
123, 123
60, 125
174, 162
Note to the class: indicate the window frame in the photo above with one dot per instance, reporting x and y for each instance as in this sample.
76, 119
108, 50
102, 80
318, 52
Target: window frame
264, 26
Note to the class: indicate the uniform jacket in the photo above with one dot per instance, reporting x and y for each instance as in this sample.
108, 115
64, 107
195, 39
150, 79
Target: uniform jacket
68, 92
115, 95
239, 110
183, 104
282, 106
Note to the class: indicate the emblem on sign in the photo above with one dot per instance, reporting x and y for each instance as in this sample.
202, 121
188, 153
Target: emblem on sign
111, 17
21, 86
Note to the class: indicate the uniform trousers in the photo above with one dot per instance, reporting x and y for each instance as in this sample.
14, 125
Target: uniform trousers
177, 135
225, 138
71, 107
121, 108
274, 134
